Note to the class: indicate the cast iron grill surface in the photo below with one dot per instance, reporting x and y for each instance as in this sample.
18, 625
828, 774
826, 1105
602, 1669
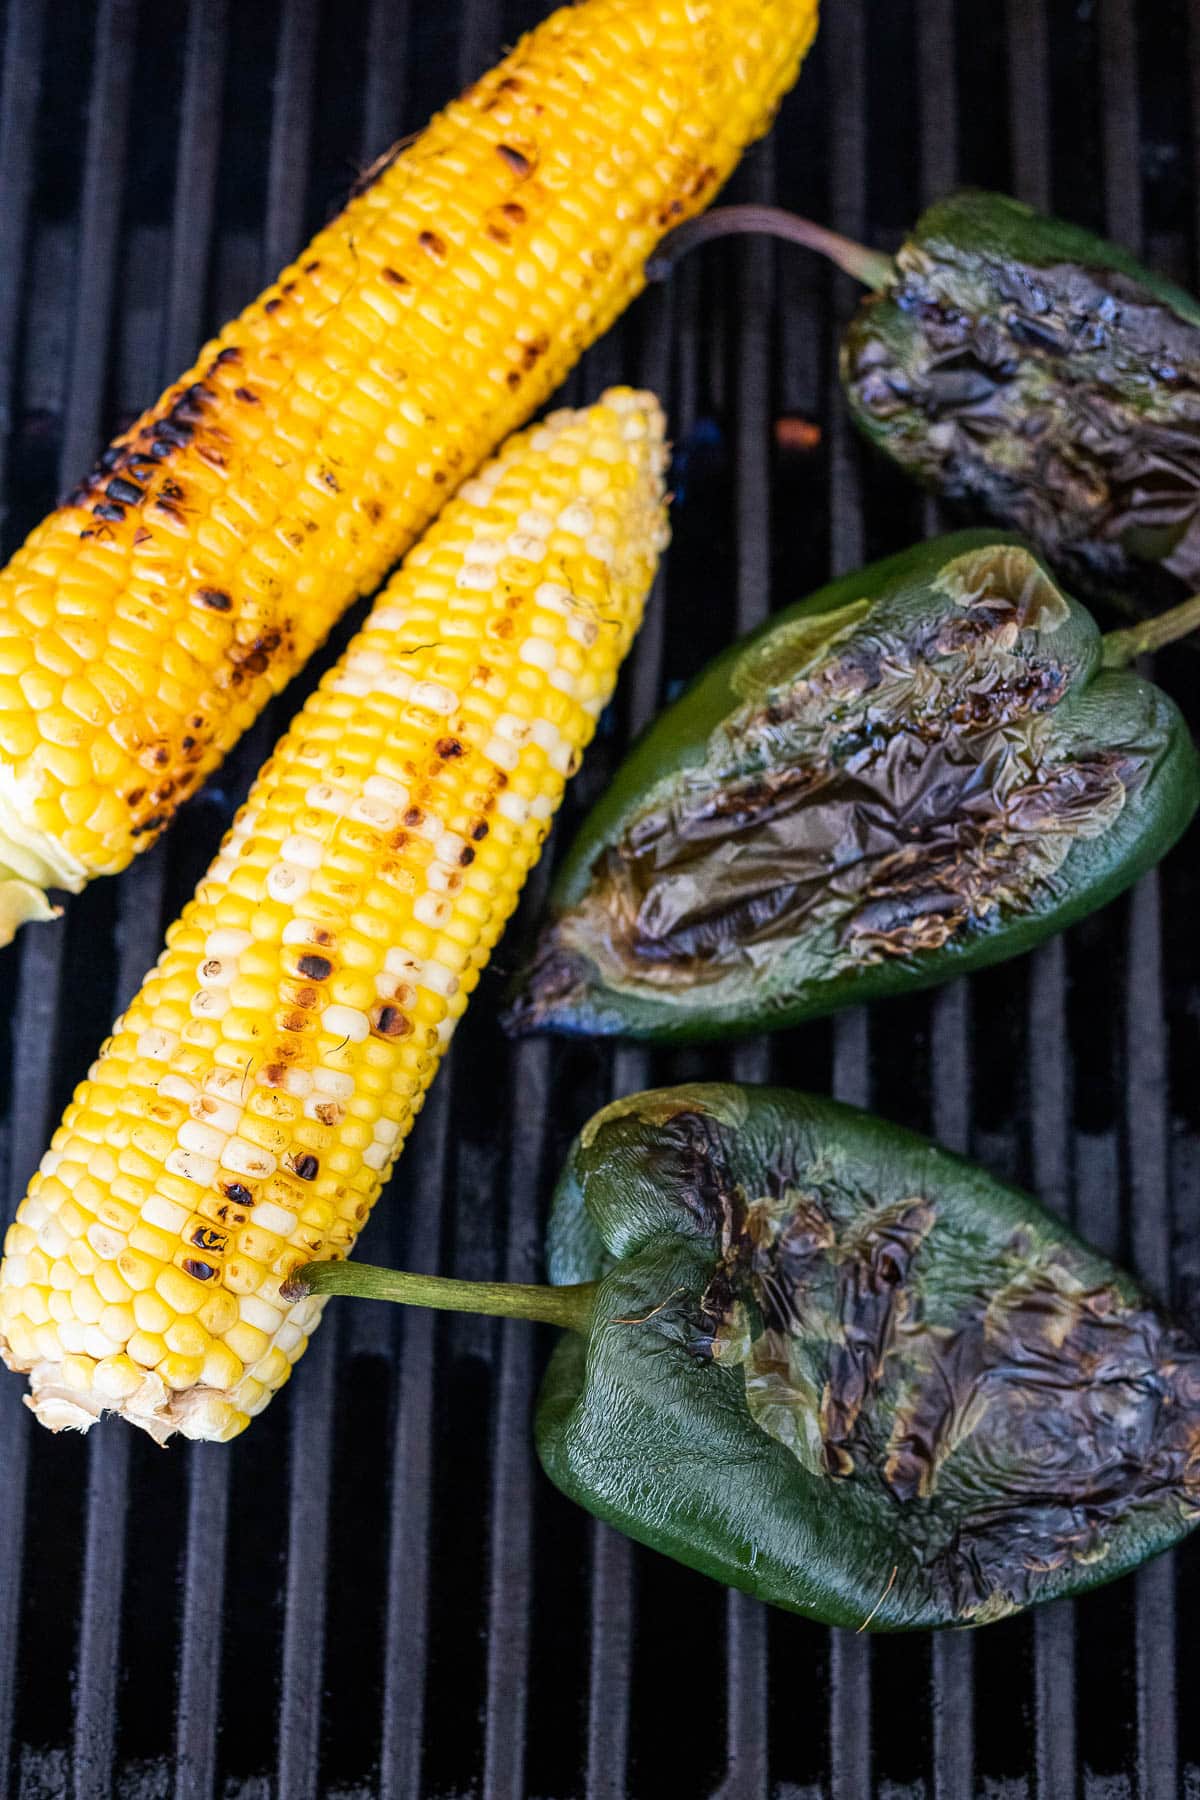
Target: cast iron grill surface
374, 1592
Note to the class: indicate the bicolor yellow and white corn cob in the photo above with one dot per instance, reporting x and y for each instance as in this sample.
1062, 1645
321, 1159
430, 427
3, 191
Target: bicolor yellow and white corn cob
145, 623
248, 1107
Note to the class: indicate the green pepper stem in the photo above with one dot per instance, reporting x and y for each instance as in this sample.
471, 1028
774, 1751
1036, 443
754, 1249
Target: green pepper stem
1121, 647
569, 1307
873, 268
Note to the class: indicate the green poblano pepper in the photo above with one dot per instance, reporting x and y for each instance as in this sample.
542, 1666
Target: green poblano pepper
820, 1359
1041, 374
922, 769
1028, 368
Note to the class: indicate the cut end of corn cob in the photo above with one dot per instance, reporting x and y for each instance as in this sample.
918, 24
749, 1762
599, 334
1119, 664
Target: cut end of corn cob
145, 623
21, 903
247, 1109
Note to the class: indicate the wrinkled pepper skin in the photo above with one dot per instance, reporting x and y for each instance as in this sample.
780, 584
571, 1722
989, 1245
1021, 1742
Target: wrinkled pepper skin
851, 1374
1040, 374
918, 771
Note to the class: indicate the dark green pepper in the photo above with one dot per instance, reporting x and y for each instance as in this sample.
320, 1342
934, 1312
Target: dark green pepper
1030, 369
824, 1361
922, 769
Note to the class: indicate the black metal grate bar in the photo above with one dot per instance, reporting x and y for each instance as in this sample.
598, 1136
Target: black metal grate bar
19, 94
369, 1591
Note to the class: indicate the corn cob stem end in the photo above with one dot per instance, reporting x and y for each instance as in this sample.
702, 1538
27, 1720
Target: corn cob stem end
30, 862
199, 1412
21, 903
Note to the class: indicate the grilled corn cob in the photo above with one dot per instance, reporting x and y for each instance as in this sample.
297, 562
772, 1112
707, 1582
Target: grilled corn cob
246, 1111
146, 622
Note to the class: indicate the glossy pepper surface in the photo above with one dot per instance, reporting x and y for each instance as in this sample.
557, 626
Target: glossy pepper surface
921, 769
824, 1361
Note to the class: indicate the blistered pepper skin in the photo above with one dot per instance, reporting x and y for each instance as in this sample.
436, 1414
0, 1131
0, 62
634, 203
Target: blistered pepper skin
1042, 376
851, 1374
919, 771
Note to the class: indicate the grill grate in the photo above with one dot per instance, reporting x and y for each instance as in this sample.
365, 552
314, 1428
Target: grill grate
373, 1593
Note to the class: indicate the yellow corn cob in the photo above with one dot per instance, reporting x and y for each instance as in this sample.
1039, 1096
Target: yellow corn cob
144, 624
246, 1111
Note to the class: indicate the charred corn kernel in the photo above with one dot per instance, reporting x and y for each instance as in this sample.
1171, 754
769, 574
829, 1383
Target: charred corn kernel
412, 750
145, 623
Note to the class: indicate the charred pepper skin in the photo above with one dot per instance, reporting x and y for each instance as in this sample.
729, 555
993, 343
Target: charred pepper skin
851, 1374
1041, 375
918, 771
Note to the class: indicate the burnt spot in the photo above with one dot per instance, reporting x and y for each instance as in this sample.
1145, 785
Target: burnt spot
247, 396
480, 830
373, 510
273, 305
872, 1301
315, 968
448, 748
230, 354
522, 162
155, 823
142, 536
305, 1166
235, 1191
330, 480
466, 857
171, 490
390, 1022
394, 277
206, 1238
413, 817
531, 351
199, 1271
108, 509
213, 599
310, 268
513, 378
433, 245
126, 491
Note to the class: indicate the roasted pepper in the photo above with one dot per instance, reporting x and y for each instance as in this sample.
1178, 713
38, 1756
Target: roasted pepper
824, 1361
921, 769
1028, 368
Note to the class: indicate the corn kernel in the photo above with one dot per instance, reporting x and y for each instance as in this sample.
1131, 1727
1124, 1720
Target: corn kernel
187, 1338
180, 1371
117, 1377
247, 1342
